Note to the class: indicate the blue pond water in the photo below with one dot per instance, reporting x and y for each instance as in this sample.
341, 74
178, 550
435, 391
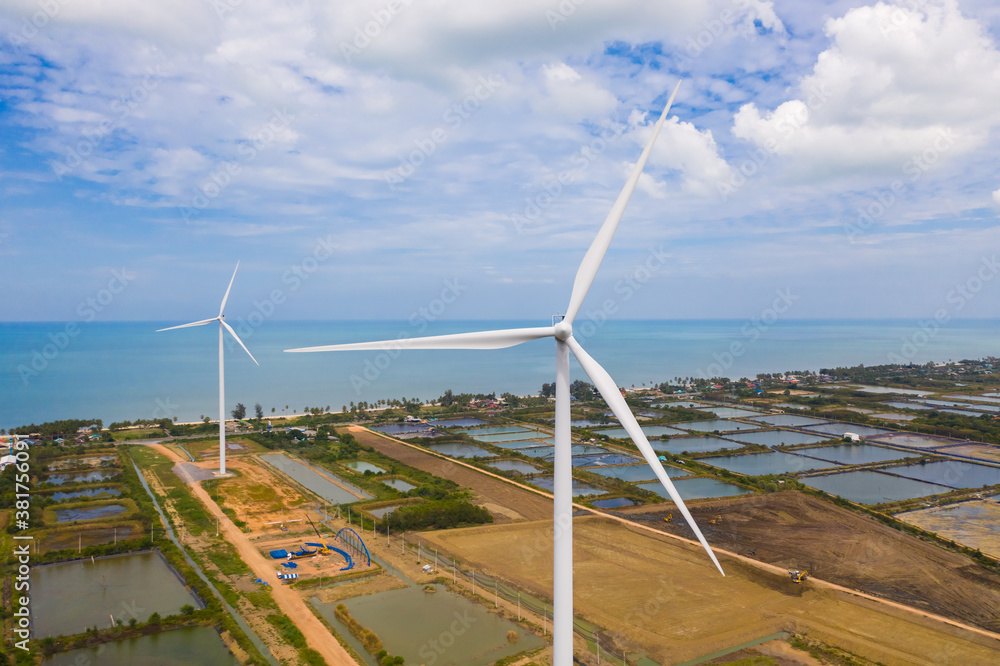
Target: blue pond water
613, 503
721, 425
402, 428
459, 450
463, 422
508, 436
649, 431
695, 445
696, 488
634, 472
600, 460
838, 428
516, 466
779, 437
867, 487
856, 454
788, 419
493, 430
579, 487
776, 462
952, 473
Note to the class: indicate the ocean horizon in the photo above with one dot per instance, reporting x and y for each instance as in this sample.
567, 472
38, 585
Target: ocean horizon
125, 370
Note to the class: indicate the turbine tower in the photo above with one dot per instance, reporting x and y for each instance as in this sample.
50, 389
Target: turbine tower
562, 621
222, 370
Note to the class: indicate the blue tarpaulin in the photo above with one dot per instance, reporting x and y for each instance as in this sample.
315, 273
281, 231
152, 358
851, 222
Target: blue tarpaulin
281, 554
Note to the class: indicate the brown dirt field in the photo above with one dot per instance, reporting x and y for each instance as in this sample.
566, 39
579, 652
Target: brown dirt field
795, 531
258, 497
373, 585
655, 594
519, 504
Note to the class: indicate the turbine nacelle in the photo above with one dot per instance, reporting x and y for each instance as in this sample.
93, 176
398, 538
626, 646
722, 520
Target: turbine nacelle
562, 331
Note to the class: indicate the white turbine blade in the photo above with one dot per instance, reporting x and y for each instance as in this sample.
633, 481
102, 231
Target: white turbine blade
595, 255
226, 297
477, 340
233, 333
609, 391
194, 323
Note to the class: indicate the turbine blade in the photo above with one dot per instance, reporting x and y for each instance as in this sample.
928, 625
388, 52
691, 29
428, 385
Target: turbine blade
609, 391
477, 340
226, 297
194, 323
595, 255
233, 333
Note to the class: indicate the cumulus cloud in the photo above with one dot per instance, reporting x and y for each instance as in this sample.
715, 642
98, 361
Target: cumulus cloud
896, 81
684, 148
569, 96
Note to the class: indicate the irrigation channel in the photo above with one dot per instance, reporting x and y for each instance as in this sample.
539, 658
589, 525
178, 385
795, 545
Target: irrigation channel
254, 638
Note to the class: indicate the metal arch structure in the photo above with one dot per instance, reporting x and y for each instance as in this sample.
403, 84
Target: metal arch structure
353, 540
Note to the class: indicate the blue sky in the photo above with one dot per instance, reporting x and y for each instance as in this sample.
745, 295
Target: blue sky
366, 159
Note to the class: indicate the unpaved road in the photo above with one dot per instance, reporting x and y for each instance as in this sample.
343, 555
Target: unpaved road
291, 604
520, 503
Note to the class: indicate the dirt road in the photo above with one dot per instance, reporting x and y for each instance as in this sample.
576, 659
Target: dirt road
291, 604
519, 503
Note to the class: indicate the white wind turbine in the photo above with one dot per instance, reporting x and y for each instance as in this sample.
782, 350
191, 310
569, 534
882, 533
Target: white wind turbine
562, 621
222, 371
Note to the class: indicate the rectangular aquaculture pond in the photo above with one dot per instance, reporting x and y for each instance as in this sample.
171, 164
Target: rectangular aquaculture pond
69, 597
190, 646
312, 480
867, 487
696, 488
757, 464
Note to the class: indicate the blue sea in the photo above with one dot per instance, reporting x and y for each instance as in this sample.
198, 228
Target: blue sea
125, 370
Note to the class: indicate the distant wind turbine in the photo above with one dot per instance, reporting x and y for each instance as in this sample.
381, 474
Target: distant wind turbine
562, 621
222, 371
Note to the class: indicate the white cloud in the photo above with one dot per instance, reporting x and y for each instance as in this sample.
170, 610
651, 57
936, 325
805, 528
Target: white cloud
996, 197
684, 148
568, 96
895, 82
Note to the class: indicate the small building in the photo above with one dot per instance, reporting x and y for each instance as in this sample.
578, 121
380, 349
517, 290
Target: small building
852, 437
7, 461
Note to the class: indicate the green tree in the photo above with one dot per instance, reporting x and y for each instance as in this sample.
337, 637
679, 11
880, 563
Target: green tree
258, 411
240, 412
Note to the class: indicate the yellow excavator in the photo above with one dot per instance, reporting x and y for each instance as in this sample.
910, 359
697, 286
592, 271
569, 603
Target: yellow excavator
798, 576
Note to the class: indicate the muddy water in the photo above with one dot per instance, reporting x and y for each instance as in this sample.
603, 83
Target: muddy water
197, 646
86, 493
437, 628
361, 466
68, 598
78, 477
89, 513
